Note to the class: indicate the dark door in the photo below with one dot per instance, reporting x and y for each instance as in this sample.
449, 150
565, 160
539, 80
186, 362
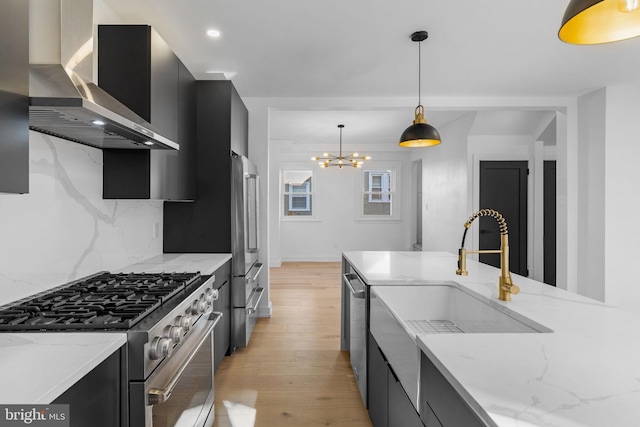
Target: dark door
503, 187
549, 218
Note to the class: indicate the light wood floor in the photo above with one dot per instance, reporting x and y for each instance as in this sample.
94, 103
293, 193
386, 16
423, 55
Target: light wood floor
293, 372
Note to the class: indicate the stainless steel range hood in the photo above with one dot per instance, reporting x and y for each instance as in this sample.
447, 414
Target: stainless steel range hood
63, 100
66, 106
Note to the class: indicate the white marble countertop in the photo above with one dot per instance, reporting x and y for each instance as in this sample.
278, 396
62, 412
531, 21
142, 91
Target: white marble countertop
585, 373
37, 367
204, 263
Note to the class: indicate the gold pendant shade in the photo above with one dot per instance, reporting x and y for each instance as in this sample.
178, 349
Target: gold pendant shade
600, 21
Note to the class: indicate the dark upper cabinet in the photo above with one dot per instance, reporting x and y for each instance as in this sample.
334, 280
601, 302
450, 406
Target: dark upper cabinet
223, 126
14, 97
140, 70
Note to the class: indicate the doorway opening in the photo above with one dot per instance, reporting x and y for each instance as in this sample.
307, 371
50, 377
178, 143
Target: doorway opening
504, 188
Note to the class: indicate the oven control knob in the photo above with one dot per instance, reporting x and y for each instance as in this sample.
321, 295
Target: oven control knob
200, 306
184, 322
161, 347
211, 295
174, 333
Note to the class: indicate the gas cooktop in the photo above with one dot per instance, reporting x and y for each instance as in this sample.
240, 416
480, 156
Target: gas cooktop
101, 301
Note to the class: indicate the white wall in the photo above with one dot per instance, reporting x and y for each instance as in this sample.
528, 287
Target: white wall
63, 229
445, 188
621, 202
336, 226
591, 190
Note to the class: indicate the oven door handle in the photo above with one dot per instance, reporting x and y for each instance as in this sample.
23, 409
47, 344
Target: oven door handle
160, 395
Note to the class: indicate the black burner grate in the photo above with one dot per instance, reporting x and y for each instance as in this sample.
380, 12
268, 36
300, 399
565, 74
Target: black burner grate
102, 301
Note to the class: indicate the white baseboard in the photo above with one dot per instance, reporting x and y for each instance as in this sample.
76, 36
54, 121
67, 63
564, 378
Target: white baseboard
265, 311
328, 258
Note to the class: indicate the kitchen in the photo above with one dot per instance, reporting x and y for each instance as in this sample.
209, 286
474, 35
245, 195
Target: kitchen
69, 231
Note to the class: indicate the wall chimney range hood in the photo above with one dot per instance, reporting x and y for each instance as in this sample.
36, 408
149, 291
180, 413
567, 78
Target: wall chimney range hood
67, 106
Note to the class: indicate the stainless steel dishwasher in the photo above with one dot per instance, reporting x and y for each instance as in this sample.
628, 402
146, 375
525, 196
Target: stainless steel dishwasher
358, 329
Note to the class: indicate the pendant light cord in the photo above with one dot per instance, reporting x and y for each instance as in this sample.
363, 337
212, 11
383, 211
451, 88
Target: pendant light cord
419, 71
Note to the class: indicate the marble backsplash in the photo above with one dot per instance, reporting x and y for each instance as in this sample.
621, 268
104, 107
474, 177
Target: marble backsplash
63, 229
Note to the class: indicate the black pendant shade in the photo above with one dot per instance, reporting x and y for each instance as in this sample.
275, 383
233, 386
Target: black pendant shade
600, 21
420, 133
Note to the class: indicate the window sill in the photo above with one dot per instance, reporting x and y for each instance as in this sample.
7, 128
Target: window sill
299, 218
380, 219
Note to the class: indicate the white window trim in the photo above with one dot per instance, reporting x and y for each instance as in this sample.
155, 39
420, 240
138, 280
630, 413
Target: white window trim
385, 194
306, 194
395, 167
313, 198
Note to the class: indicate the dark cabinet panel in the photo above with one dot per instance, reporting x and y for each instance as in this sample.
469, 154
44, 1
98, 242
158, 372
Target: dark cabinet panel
124, 65
99, 398
222, 334
125, 174
401, 410
140, 70
446, 407
389, 405
378, 388
222, 127
14, 97
164, 87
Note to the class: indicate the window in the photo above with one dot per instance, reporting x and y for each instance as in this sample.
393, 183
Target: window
377, 193
297, 191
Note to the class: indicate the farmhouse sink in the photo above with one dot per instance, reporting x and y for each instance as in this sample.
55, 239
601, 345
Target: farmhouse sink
399, 313
451, 308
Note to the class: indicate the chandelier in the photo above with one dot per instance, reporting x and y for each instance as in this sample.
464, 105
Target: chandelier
328, 160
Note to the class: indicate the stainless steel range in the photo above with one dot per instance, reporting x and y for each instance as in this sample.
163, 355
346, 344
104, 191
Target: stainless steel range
169, 324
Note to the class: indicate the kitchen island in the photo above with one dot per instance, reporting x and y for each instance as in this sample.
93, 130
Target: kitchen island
37, 367
583, 373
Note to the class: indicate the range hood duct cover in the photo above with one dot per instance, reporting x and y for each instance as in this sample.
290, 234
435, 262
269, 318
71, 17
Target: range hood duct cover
67, 106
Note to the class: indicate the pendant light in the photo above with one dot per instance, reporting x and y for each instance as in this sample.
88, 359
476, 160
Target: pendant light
419, 134
600, 21
327, 160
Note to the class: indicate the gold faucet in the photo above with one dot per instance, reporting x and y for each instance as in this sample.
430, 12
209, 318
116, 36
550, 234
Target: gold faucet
506, 288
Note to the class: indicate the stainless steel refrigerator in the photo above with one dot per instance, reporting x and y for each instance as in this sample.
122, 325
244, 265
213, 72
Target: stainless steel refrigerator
246, 291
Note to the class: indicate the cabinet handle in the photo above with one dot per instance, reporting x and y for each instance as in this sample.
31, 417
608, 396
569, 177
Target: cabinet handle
255, 271
347, 278
255, 300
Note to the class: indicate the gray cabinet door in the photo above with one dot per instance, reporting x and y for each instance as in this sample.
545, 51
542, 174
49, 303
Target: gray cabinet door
222, 333
401, 410
378, 395
14, 99
445, 403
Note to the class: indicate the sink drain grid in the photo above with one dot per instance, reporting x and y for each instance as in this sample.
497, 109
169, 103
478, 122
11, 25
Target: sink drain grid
434, 327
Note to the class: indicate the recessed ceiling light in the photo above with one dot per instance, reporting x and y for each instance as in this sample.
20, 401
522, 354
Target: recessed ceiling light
148, 143
213, 33
98, 122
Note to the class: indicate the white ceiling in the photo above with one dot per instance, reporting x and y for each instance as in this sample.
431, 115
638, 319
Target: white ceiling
358, 48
